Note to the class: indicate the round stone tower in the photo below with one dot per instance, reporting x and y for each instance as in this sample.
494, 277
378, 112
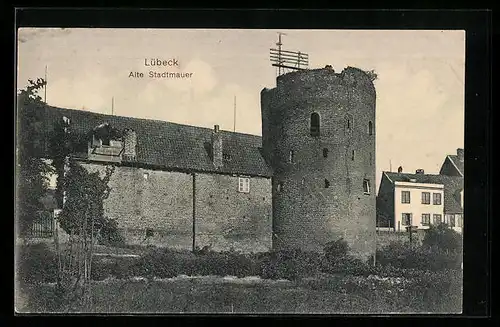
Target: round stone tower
318, 135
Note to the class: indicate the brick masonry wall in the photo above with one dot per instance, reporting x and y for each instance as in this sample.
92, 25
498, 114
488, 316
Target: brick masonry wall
226, 218
306, 214
163, 203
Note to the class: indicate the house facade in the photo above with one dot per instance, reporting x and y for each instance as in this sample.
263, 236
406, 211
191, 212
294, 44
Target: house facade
419, 200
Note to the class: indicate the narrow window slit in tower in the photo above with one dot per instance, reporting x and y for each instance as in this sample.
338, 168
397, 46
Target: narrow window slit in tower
327, 183
325, 153
315, 124
352, 155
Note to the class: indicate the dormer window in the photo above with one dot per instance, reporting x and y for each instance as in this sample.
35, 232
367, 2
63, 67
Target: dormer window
106, 142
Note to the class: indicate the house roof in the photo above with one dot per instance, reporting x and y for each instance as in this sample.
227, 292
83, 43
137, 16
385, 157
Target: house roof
457, 162
172, 146
452, 187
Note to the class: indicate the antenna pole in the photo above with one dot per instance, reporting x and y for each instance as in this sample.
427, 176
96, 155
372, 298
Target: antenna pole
390, 166
112, 106
45, 88
279, 44
234, 115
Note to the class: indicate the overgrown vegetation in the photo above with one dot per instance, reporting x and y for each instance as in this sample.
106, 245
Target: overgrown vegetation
397, 259
31, 171
404, 279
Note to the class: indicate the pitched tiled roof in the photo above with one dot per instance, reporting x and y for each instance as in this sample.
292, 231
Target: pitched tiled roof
457, 162
452, 187
172, 146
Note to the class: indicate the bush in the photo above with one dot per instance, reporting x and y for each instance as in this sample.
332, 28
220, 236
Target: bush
336, 250
36, 263
289, 264
402, 255
443, 238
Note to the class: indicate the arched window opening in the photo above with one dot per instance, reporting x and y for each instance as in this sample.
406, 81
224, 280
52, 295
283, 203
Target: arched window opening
315, 124
325, 153
327, 183
352, 155
370, 128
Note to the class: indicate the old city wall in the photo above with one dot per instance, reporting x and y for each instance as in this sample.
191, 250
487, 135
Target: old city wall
157, 205
160, 204
307, 214
226, 218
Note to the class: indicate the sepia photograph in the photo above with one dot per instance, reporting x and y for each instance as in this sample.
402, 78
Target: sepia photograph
239, 171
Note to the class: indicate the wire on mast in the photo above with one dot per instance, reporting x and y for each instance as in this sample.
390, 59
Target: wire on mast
45, 88
279, 44
234, 115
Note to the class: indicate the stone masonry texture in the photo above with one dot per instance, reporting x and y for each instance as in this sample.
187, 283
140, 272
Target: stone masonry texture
306, 214
155, 207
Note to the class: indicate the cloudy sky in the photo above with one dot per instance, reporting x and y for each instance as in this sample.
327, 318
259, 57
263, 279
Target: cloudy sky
420, 86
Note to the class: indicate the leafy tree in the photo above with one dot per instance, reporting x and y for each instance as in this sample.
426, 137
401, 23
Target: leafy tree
32, 171
61, 143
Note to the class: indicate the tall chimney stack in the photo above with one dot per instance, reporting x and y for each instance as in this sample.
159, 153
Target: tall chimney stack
217, 147
460, 154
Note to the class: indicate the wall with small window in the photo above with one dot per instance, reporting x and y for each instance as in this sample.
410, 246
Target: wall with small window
233, 212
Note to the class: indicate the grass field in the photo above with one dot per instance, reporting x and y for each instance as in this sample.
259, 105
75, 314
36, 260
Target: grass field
210, 294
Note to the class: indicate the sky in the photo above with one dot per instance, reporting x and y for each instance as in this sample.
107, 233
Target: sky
420, 85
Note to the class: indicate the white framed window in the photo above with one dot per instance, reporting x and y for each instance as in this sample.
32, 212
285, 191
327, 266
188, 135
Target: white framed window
366, 186
426, 219
244, 184
145, 176
406, 219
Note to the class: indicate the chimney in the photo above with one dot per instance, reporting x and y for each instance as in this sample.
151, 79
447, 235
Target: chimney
419, 171
400, 169
460, 154
217, 147
129, 145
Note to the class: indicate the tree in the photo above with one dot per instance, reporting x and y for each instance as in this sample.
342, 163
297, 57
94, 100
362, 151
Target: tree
32, 171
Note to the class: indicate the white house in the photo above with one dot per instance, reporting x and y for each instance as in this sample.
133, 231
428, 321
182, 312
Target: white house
419, 200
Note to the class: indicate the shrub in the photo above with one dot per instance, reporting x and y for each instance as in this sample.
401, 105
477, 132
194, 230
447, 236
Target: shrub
289, 264
402, 255
443, 238
161, 263
336, 250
